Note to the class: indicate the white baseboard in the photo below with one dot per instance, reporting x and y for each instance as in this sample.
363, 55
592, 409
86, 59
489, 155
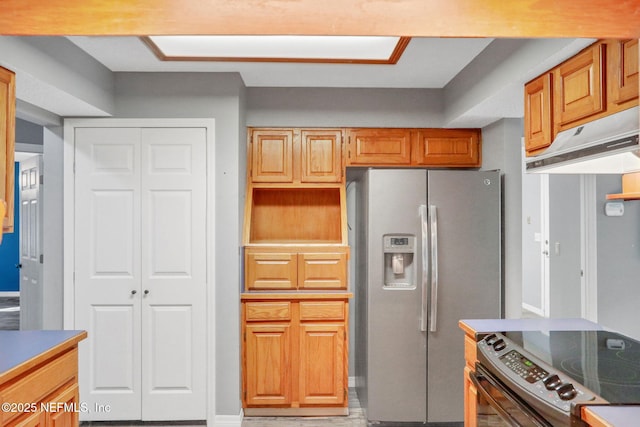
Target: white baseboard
228, 420
9, 294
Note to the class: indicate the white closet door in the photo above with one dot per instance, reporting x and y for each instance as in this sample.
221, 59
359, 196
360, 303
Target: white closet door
107, 271
173, 240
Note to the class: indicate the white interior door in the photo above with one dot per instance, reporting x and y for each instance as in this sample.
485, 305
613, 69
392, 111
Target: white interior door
535, 244
140, 285
31, 292
107, 271
173, 274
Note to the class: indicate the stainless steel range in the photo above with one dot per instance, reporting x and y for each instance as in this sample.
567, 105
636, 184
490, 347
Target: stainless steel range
536, 378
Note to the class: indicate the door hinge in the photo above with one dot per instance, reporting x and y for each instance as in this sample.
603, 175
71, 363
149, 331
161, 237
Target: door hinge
41, 179
41, 258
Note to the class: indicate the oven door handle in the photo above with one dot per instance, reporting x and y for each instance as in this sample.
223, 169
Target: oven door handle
507, 394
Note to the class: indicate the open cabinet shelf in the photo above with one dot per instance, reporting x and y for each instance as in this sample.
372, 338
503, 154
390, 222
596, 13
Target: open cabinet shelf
295, 216
630, 188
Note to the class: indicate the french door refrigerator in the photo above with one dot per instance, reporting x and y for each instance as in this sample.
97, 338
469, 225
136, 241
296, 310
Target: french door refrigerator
428, 254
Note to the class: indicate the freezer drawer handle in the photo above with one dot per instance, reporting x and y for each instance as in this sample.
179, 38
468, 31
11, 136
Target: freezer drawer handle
433, 220
425, 258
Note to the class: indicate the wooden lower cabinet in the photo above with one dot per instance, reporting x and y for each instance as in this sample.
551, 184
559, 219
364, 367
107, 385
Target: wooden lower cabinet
295, 355
51, 391
295, 268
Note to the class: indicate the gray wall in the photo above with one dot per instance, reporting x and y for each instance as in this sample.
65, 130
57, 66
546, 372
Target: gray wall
53, 232
219, 96
501, 149
618, 261
564, 246
332, 107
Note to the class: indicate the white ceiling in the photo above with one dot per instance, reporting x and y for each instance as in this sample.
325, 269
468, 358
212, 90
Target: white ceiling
426, 63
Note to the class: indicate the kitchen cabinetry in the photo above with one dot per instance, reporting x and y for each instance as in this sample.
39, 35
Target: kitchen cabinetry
414, 147
296, 155
538, 103
295, 353
43, 386
7, 144
446, 147
600, 80
372, 147
580, 86
289, 268
622, 60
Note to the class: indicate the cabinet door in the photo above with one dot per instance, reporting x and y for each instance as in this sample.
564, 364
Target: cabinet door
321, 156
68, 397
379, 147
35, 419
578, 86
322, 364
272, 155
322, 270
7, 144
446, 147
623, 71
267, 355
264, 270
538, 113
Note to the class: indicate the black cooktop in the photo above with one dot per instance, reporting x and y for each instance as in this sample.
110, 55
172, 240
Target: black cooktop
605, 362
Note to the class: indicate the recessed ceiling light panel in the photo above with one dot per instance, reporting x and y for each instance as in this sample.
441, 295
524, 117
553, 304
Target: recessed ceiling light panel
356, 49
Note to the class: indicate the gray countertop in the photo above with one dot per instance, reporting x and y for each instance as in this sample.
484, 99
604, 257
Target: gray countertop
617, 416
18, 347
537, 324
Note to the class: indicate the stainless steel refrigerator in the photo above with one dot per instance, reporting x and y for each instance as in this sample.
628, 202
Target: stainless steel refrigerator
428, 253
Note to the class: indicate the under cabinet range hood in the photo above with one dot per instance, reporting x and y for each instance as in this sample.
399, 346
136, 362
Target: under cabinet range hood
606, 145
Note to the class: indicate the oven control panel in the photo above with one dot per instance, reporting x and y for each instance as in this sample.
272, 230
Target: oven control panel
529, 377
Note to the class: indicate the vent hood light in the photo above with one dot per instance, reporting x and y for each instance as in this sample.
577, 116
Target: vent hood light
607, 145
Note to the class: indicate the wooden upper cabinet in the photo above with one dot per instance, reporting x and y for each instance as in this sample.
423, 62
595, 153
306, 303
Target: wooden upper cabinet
371, 147
272, 155
622, 59
295, 156
538, 108
579, 90
446, 147
321, 155
7, 145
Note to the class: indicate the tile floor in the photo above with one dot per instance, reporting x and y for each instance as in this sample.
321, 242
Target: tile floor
9, 313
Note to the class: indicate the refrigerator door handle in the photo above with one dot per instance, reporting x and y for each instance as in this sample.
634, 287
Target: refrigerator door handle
433, 226
425, 262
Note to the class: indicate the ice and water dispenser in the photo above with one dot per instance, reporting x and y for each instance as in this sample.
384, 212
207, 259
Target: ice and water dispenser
399, 261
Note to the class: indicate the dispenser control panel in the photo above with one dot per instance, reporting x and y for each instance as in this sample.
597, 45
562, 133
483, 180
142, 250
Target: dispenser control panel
402, 244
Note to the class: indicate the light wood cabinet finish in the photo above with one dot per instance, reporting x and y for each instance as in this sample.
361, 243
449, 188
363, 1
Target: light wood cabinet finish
295, 268
321, 156
622, 58
296, 156
7, 146
49, 383
599, 81
272, 155
267, 367
580, 86
538, 109
296, 364
373, 147
446, 147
